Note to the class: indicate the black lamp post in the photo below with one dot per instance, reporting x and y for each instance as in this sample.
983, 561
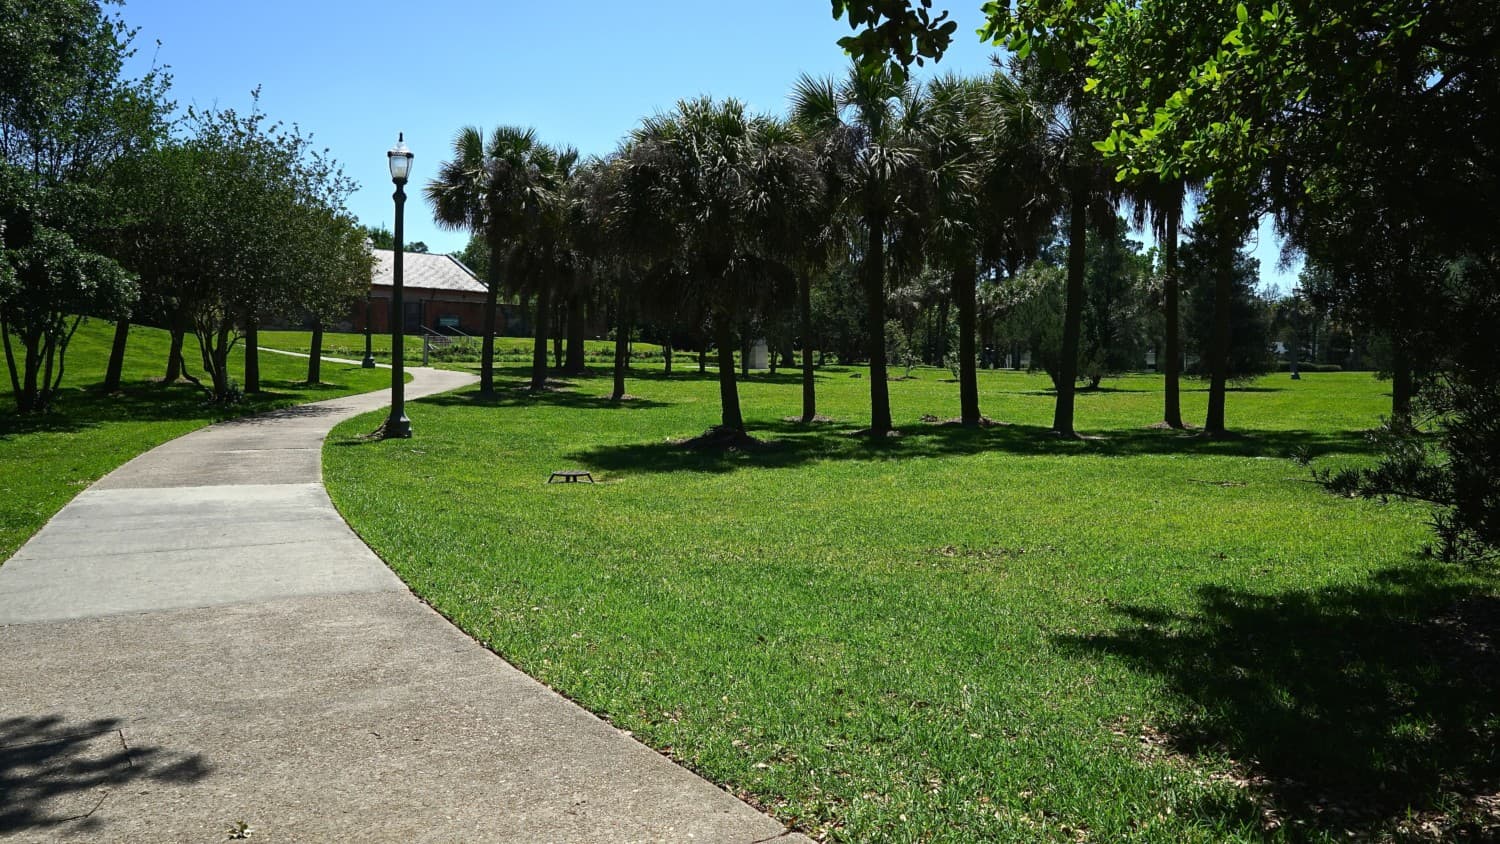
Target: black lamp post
397, 425
369, 361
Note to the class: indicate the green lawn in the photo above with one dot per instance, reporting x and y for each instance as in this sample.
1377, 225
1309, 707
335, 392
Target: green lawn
964, 635
47, 459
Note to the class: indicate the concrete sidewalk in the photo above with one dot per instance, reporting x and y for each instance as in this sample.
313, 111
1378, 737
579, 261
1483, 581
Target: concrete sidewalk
198, 642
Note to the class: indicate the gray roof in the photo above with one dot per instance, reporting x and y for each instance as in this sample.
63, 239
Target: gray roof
430, 272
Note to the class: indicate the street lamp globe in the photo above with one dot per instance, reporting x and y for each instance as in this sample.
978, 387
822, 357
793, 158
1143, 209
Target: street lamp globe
399, 158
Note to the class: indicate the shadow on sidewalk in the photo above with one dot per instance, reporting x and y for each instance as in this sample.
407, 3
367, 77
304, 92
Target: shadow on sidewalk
55, 772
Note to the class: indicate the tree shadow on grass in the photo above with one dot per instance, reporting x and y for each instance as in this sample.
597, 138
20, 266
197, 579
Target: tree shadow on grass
517, 395
79, 409
1345, 709
790, 444
55, 773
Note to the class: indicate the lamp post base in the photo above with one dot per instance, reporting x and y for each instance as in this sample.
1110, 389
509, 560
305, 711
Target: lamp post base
367, 363
396, 428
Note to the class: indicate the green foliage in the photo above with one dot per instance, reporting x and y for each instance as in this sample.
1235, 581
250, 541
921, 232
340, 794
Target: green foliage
66, 118
1115, 306
383, 238
49, 281
899, 346
241, 219
892, 34
1037, 316
1250, 331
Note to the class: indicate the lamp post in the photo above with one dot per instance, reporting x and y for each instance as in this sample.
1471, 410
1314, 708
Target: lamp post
397, 425
369, 361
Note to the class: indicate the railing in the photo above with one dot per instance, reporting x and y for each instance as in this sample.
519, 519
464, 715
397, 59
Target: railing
432, 339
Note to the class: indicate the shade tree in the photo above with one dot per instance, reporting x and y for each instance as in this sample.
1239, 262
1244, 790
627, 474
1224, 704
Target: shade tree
68, 114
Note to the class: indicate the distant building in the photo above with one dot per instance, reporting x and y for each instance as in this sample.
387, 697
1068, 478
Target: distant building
439, 294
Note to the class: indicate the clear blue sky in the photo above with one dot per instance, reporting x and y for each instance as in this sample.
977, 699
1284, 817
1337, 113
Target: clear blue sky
583, 73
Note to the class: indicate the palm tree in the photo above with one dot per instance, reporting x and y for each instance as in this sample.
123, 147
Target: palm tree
951, 150
540, 259
485, 188
601, 231
989, 148
1159, 203
708, 181
862, 131
805, 232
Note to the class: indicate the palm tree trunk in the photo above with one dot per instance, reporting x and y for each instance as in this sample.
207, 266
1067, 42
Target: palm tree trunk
874, 280
666, 355
559, 322
809, 388
1172, 414
942, 332
252, 356
576, 334
1067, 377
487, 342
729, 394
315, 354
1219, 366
622, 343
539, 347
964, 282
116, 355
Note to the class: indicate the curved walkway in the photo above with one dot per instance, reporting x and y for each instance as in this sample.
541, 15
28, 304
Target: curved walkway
199, 644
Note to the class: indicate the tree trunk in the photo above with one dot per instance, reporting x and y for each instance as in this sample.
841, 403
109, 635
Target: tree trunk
809, 387
666, 356
539, 346
26, 400
729, 394
1172, 412
10, 357
1067, 377
487, 342
703, 359
174, 351
224, 383
213, 348
622, 343
1401, 382
315, 355
964, 283
577, 332
874, 282
1219, 366
942, 333
116, 356
559, 317
252, 356
745, 355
